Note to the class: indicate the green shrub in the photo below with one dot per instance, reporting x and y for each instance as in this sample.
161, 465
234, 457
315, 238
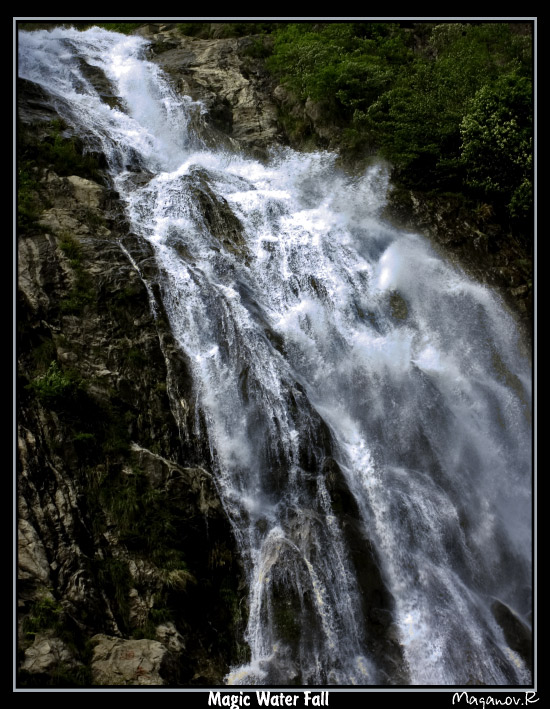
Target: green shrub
44, 614
57, 386
497, 131
333, 63
29, 204
194, 29
78, 298
66, 156
426, 122
62, 675
122, 27
241, 29
257, 48
43, 354
82, 293
114, 577
71, 248
136, 357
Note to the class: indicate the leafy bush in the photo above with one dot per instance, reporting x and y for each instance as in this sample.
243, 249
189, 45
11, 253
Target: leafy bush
194, 29
83, 292
71, 248
45, 613
417, 121
64, 154
79, 297
336, 64
66, 157
29, 205
497, 131
57, 386
114, 577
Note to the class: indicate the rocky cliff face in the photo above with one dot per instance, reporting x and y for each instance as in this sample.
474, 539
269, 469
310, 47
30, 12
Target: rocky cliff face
234, 88
128, 570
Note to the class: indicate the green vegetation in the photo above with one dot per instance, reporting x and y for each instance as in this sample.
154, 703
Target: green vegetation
98, 430
148, 519
122, 27
206, 30
44, 614
57, 387
114, 577
156, 616
449, 105
136, 357
33, 26
150, 523
79, 297
82, 293
65, 155
54, 151
62, 675
43, 354
71, 248
57, 151
29, 206
346, 65
497, 131
194, 29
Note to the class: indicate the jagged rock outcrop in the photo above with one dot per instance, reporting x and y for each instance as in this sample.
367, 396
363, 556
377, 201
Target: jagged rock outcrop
517, 635
129, 662
235, 90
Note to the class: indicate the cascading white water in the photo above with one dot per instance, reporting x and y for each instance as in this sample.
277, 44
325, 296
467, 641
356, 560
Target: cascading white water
320, 338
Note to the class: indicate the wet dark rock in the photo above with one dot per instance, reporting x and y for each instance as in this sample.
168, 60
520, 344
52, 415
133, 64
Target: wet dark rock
33, 105
377, 601
398, 306
101, 84
220, 219
517, 634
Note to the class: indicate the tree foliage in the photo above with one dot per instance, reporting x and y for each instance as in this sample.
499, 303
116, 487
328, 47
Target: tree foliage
497, 142
449, 104
347, 64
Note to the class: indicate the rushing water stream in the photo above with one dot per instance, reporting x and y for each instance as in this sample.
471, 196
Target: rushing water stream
367, 405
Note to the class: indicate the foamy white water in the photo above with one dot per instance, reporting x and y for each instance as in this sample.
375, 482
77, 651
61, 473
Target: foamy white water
320, 336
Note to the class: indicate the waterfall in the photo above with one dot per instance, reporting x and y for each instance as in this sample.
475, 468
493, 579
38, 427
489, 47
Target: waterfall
367, 405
